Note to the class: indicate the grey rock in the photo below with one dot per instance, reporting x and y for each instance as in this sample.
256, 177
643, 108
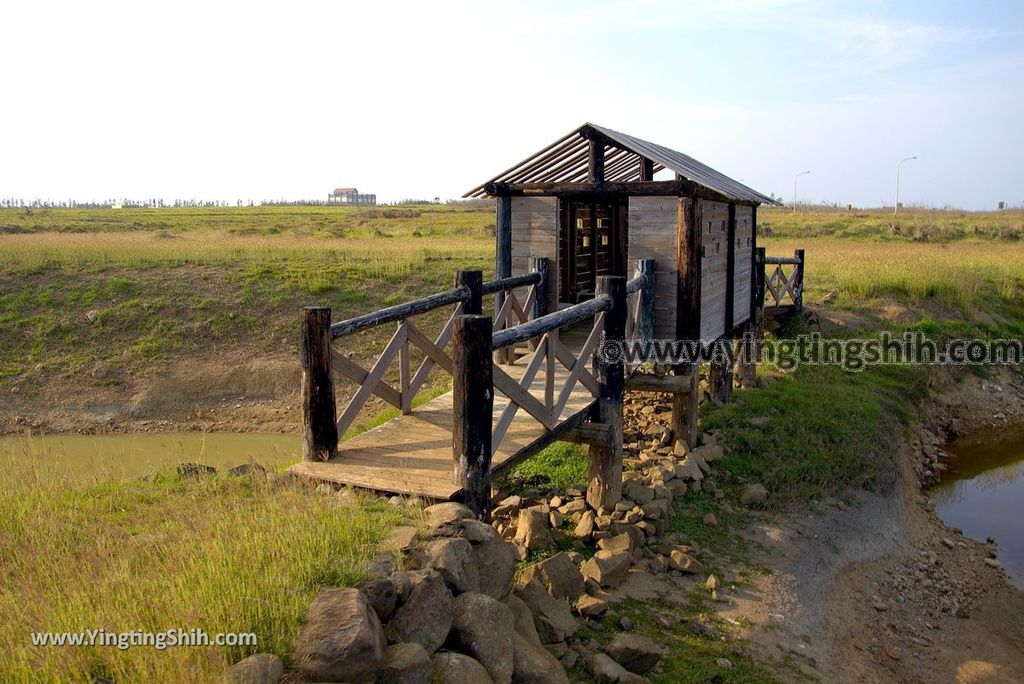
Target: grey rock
426, 617
405, 664
634, 652
559, 575
453, 558
399, 540
261, 668
496, 567
483, 627
532, 531
552, 617
456, 668
607, 568
341, 640
446, 513
753, 495
604, 669
533, 664
382, 595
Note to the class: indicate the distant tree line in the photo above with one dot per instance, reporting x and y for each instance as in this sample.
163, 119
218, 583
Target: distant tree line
17, 203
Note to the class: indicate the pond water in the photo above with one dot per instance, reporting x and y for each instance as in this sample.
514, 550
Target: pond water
982, 493
97, 458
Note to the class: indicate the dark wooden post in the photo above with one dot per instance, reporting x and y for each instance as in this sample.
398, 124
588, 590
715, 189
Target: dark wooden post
720, 375
595, 168
644, 325
474, 281
646, 169
472, 405
319, 429
684, 407
759, 280
798, 300
747, 355
503, 245
605, 473
540, 300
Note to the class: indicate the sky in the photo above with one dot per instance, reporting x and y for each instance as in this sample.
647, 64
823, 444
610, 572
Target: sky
267, 100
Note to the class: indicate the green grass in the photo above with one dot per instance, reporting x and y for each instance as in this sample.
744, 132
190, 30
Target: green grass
221, 554
913, 225
555, 469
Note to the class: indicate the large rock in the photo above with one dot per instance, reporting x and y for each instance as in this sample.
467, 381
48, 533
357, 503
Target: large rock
523, 619
456, 668
477, 531
399, 540
591, 606
709, 452
342, 640
753, 495
638, 492
607, 568
382, 595
559, 575
454, 559
426, 617
532, 531
446, 513
605, 669
483, 627
689, 469
552, 617
585, 527
405, 664
533, 664
261, 668
496, 567
634, 652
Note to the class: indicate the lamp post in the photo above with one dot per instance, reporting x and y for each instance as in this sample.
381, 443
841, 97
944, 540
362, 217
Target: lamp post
802, 173
896, 204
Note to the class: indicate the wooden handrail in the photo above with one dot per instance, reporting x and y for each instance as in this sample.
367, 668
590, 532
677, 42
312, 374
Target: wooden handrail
553, 321
400, 311
781, 260
510, 283
637, 283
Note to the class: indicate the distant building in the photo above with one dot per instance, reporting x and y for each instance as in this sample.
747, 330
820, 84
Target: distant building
350, 196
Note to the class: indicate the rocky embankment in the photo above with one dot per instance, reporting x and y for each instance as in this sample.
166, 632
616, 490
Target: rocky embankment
453, 600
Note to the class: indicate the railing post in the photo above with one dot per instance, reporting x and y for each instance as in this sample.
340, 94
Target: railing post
503, 245
643, 329
798, 298
474, 281
685, 406
605, 471
319, 429
540, 299
472, 405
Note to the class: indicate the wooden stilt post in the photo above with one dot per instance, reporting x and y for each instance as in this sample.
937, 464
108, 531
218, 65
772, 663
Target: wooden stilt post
540, 300
605, 487
684, 408
472, 405
747, 356
319, 412
720, 375
503, 245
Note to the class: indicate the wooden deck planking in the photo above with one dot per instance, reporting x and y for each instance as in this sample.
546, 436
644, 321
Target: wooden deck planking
412, 454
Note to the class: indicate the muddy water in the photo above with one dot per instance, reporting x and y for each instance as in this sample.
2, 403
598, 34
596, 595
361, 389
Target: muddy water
982, 493
96, 458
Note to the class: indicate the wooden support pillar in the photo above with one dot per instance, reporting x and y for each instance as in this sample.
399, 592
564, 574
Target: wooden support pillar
605, 473
644, 326
319, 412
798, 300
758, 303
684, 408
749, 352
503, 245
474, 281
540, 300
472, 405
720, 375
730, 270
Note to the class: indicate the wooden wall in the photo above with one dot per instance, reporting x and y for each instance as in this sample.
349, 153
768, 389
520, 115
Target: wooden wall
714, 240
535, 233
651, 234
744, 252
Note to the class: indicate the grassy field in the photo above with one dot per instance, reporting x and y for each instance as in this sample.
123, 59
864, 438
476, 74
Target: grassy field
144, 290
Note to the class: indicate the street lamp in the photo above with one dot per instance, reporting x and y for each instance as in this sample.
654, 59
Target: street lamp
802, 173
896, 204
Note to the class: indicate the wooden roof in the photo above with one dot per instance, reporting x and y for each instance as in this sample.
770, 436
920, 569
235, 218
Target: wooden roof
567, 161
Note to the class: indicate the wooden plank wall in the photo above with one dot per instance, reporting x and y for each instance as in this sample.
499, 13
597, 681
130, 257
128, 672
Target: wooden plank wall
535, 233
714, 262
744, 251
653, 223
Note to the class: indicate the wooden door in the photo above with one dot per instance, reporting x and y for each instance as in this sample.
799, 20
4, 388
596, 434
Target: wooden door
591, 243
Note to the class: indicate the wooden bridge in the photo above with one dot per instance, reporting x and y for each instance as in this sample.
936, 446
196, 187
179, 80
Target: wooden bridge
520, 381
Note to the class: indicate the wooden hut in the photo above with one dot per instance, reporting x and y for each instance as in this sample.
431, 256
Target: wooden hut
589, 202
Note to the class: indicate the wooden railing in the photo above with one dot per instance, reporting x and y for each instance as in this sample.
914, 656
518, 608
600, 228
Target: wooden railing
620, 308
781, 280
